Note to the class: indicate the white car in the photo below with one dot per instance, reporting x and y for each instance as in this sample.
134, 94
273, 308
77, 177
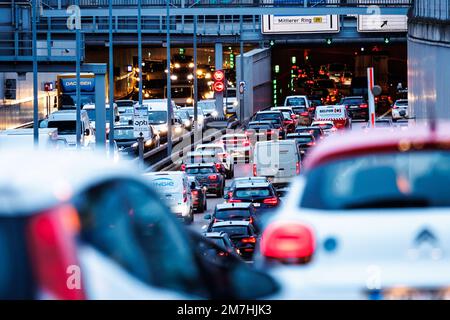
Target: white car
230, 101
238, 146
174, 189
297, 101
220, 150
400, 109
328, 127
367, 220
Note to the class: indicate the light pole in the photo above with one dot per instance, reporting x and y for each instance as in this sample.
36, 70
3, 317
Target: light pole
169, 87
111, 84
77, 68
140, 50
35, 75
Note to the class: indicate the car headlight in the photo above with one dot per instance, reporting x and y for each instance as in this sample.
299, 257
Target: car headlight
208, 76
191, 65
190, 76
235, 103
177, 66
187, 123
189, 100
148, 143
135, 145
214, 113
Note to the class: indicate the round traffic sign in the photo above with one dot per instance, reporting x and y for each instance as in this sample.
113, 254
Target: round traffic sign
218, 86
218, 75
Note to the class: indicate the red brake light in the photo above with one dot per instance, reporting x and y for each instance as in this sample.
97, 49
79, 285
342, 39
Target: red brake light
363, 105
194, 192
255, 173
304, 114
269, 132
288, 241
53, 252
271, 201
183, 167
218, 166
297, 164
246, 143
249, 240
212, 177
251, 220
234, 201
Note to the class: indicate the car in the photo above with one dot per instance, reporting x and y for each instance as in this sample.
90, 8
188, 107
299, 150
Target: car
304, 142
230, 101
90, 109
126, 114
223, 240
336, 71
338, 114
357, 107
279, 161
157, 116
65, 122
241, 181
331, 91
185, 118
174, 190
296, 101
400, 110
221, 152
244, 211
328, 127
198, 194
207, 176
208, 108
290, 119
317, 132
381, 123
375, 207
277, 119
346, 79
241, 233
127, 142
261, 131
238, 146
262, 194
204, 156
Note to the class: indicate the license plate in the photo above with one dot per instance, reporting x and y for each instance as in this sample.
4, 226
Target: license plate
257, 204
354, 107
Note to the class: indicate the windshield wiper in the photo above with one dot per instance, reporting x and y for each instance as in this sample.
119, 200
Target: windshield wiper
386, 203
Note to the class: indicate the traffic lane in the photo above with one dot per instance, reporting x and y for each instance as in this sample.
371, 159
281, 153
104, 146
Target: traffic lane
200, 224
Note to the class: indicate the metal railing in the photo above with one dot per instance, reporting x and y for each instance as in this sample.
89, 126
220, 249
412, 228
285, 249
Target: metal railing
228, 3
432, 9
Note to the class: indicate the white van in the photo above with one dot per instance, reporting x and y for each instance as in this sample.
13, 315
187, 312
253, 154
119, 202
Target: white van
90, 109
157, 116
278, 161
174, 189
65, 121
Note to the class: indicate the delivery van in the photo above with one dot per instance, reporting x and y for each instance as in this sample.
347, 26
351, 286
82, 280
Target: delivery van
175, 191
278, 161
338, 114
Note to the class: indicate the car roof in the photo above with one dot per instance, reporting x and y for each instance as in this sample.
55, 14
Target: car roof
258, 184
64, 115
208, 164
260, 122
164, 173
300, 134
201, 152
246, 179
231, 223
49, 178
351, 143
227, 206
214, 234
267, 112
231, 135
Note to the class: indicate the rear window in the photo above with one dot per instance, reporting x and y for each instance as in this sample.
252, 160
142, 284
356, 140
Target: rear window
402, 103
259, 127
268, 116
249, 193
16, 276
200, 170
395, 180
353, 101
233, 214
302, 139
299, 109
218, 241
296, 102
324, 126
232, 230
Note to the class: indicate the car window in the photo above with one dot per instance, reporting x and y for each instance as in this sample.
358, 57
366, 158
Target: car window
296, 102
200, 170
232, 230
127, 222
352, 101
252, 192
231, 214
414, 179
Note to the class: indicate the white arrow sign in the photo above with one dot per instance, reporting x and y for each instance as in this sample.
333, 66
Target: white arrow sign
141, 125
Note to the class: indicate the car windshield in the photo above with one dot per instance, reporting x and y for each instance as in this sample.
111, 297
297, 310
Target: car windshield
230, 93
249, 193
91, 114
64, 127
299, 109
324, 126
402, 103
207, 106
233, 214
232, 230
286, 114
302, 139
395, 180
298, 101
190, 111
259, 126
201, 170
218, 241
182, 115
157, 117
125, 110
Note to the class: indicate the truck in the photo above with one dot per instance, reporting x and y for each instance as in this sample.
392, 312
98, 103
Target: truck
66, 86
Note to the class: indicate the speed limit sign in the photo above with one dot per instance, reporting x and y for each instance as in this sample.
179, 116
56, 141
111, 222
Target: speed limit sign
141, 126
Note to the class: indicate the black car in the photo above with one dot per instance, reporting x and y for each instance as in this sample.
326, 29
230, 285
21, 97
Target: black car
357, 107
317, 132
233, 212
208, 176
204, 156
127, 142
223, 240
304, 142
261, 131
277, 119
242, 234
198, 194
262, 194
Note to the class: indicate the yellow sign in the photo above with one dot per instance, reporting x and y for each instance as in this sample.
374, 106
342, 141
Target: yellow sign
317, 20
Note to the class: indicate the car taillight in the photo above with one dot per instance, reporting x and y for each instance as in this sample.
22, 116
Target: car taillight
363, 106
185, 198
234, 201
251, 220
249, 240
246, 143
395, 107
255, 173
53, 252
288, 242
194, 192
297, 165
218, 166
310, 144
269, 132
271, 201
213, 177
183, 167
304, 114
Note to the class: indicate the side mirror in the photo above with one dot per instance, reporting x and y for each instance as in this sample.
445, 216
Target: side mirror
117, 119
207, 217
87, 132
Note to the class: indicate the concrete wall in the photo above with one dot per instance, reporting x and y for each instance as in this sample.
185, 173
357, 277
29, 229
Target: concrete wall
429, 63
258, 78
